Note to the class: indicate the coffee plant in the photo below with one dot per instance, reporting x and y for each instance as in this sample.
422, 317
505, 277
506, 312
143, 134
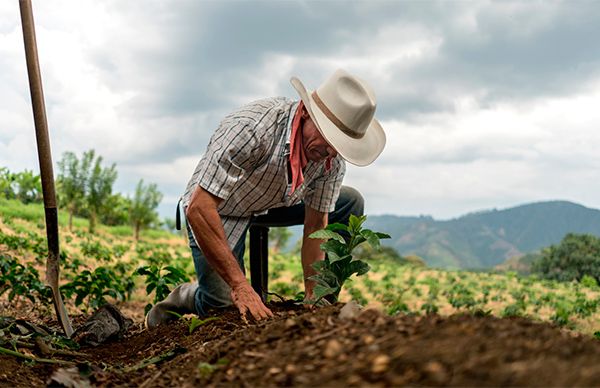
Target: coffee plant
339, 263
92, 287
158, 279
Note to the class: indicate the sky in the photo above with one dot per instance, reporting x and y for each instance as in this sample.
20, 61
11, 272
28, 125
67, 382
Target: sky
485, 104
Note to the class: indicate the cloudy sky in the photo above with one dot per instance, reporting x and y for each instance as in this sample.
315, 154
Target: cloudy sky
485, 104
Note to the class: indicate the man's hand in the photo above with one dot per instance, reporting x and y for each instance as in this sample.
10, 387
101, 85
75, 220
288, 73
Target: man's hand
246, 299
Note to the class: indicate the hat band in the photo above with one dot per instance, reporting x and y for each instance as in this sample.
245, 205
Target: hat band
333, 118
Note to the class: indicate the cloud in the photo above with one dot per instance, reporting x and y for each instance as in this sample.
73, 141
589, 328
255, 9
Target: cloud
485, 103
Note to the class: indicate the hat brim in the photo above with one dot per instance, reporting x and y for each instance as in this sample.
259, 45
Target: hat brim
360, 152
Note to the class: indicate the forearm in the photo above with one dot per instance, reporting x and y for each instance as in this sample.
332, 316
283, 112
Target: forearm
311, 252
208, 229
311, 248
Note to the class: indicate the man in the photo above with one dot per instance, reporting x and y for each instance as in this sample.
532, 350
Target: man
273, 162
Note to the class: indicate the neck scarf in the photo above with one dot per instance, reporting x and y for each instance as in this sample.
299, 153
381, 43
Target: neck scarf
297, 156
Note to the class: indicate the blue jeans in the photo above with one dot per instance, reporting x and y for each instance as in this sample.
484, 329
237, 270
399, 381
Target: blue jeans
212, 290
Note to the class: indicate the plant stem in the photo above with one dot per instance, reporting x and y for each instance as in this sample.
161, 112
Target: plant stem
35, 359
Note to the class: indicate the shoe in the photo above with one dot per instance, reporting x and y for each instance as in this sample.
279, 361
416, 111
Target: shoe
180, 301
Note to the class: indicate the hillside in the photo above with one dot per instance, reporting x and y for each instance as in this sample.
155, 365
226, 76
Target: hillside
486, 239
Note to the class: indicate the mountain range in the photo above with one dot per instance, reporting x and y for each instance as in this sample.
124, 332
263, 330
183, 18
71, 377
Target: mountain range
488, 238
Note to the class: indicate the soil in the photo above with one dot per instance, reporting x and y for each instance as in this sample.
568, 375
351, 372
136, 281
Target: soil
319, 348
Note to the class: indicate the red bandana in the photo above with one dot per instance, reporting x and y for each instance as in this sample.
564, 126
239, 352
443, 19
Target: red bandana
297, 157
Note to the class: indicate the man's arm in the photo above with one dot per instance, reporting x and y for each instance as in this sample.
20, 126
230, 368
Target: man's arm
311, 251
208, 229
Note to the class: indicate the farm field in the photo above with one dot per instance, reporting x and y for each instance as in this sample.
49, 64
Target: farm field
419, 325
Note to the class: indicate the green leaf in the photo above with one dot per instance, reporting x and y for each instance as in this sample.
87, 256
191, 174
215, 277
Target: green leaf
320, 291
325, 234
334, 247
382, 235
337, 226
339, 258
355, 223
359, 267
319, 265
371, 238
195, 322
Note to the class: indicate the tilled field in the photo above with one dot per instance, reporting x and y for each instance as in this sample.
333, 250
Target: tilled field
319, 348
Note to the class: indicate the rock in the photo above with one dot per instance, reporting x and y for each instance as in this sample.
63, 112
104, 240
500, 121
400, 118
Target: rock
368, 339
333, 348
350, 310
436, 372
70, 378
380, 364
290, 323
106, 323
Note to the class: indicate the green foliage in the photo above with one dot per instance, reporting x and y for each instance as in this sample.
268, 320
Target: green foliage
143, 206
460, 296
24, 186
95, 250
159, 278
116, 210
285, 289
195, 322
72, 182
205, 370
99, 187
279, 237
339, 263
92, 287
22, 281
576, 256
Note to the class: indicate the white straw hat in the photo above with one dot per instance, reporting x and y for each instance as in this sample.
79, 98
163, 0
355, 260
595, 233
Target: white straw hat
343, 109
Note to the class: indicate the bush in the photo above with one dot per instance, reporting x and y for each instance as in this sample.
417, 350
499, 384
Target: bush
576, 256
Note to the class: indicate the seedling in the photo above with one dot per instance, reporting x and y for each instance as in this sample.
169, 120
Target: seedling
339, 263
194, 322
158, 279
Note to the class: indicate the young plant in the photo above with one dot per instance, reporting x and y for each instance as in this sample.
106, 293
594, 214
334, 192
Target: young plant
94, 286
339, 264
158, 279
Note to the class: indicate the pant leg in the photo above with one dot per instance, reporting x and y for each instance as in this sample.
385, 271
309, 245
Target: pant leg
212, 290
349, 202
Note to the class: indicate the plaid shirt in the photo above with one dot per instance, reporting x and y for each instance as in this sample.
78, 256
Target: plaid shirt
247, 162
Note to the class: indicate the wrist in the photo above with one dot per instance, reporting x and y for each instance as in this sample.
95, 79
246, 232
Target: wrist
239, 283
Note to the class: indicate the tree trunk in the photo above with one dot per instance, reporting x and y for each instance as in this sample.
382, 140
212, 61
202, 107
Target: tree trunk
137, 231
92, 221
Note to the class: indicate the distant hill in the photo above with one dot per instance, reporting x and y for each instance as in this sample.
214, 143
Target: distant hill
488, 238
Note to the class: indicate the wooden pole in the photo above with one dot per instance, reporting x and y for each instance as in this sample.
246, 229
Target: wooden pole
45, 160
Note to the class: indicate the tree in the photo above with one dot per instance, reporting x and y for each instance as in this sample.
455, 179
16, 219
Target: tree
29, 187
72, 182
577, 255
99, 186
143, 206
279, 237
6, 183
116, 210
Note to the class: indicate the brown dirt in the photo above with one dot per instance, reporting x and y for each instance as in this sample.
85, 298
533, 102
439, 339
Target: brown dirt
308, 348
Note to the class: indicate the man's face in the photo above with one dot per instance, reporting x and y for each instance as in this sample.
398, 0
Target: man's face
316, 147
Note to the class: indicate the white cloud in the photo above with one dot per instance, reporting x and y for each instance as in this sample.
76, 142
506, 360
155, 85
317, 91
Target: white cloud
487, 104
